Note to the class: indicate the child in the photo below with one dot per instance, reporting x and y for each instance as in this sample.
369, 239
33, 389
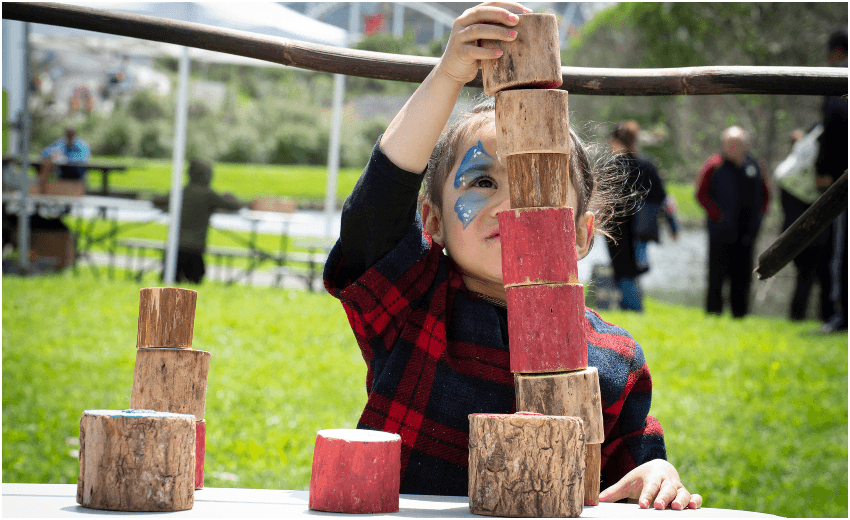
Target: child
432, 327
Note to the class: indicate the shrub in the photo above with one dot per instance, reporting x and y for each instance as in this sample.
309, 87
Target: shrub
145, 106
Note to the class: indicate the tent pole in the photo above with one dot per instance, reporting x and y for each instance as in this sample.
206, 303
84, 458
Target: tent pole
175, 202
333, 155
23, 215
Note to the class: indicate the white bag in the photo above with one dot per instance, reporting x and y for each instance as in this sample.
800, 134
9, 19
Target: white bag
796, 174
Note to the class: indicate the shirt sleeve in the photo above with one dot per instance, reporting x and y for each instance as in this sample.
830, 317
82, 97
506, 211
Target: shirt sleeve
703, 188
378, 213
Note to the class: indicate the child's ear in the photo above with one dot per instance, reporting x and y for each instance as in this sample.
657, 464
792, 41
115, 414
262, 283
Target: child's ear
432, 222
584, 234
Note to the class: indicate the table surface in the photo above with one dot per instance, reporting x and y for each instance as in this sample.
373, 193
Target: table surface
60, 500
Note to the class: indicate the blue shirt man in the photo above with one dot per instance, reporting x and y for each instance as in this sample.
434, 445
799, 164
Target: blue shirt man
70, 149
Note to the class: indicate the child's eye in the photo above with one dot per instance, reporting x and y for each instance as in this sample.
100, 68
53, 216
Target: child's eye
484, 182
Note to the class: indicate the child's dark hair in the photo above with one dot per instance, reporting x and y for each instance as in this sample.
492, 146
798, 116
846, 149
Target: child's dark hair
598, 183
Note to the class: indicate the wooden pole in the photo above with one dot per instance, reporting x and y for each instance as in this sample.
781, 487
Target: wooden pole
813, 81
805, 229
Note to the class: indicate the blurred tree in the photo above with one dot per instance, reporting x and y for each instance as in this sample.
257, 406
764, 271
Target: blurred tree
660, 35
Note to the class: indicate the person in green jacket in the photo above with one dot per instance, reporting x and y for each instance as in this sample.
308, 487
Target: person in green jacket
200, 201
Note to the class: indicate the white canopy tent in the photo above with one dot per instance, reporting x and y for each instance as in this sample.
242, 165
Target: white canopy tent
265, 18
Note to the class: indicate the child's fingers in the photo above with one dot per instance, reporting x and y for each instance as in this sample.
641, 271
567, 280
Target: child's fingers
695, 502
665, 495
476, 32
509, 6
485, 14
471, 53
650, 490
682, 499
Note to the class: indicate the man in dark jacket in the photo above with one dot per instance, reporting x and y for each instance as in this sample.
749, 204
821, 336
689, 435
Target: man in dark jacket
829, 166
734, 192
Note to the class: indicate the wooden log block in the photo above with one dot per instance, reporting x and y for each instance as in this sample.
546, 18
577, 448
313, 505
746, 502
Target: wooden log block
136, 460
532, 121
166, 317
171, 380
200, 452
355, 471
574, 394
526, 465
532, 59
546, 328
592, 473
539, 180
538, 246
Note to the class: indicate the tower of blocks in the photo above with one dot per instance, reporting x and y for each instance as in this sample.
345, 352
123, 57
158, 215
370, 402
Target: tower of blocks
538, 237
151, 457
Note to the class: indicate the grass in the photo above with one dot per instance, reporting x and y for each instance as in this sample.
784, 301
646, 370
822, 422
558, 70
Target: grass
754, 411
246, 181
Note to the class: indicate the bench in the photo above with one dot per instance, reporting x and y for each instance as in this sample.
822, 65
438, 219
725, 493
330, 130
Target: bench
314, 257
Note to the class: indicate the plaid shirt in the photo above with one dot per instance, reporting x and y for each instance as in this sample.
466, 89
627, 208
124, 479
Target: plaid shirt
436, 353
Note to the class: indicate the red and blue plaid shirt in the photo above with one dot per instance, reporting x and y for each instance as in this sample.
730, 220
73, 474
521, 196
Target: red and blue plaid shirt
436, 353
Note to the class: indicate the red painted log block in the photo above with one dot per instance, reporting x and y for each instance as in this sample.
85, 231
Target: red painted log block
200, 452
546, 328
355, 471
538, 246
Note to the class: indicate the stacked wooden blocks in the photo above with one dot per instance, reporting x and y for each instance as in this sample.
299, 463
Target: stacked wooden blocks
538, 239
151, 457
170, 376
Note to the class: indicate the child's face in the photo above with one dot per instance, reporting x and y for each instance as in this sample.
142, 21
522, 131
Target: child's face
475, 191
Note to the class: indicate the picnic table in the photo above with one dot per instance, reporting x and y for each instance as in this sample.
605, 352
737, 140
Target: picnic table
60, 500
105, 168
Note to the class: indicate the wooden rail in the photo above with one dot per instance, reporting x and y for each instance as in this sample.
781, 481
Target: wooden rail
578, 80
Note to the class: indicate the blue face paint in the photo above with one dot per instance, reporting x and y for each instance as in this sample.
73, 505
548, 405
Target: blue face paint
475, 164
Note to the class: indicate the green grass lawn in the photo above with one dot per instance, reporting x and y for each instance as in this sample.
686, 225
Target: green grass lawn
754, 411
246, 181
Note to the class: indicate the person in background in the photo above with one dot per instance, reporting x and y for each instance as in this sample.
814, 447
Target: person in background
829, 166
200, 201
733, 189
631, 234
797, 191
71, 149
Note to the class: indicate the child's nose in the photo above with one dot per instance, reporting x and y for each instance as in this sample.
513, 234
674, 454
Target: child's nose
502, 202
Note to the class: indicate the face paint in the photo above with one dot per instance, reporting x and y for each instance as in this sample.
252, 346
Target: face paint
475, 163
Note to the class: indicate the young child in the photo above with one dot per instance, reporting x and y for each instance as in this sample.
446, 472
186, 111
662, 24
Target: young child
432, 327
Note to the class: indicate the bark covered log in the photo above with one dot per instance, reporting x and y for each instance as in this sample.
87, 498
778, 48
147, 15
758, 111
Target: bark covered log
200, 452
574, 394
538, 246
355, 471
166, 317
592, 473
136, 460
532, 59
539, 180
710, 80
171, 380
532, 121
526, 465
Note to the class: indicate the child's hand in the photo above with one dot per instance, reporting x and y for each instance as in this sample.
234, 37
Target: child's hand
461, 60
655, 482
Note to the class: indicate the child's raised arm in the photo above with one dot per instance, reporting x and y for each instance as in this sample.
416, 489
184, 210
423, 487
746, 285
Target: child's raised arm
410, 138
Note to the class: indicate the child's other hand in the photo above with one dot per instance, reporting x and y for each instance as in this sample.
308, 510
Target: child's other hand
461, 60
655, 482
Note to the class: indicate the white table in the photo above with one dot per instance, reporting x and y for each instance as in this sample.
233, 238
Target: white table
60, 500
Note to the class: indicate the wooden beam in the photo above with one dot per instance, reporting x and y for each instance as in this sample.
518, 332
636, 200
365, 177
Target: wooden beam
805, 229
815, 81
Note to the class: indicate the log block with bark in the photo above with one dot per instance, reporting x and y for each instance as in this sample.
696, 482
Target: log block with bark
539, 180
136, 460
532, 59
526, 465
574, 394
546, 328
592, 473
166, 317
171, 380
538, 246
532, 121
200, 452
355, 471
